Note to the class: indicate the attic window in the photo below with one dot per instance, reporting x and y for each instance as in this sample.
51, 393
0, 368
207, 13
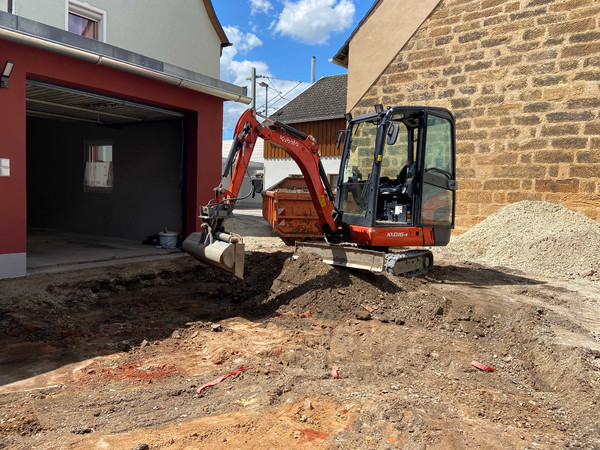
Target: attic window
85, 20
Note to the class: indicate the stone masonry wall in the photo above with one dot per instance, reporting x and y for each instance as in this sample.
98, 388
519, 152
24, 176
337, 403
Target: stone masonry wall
523, 80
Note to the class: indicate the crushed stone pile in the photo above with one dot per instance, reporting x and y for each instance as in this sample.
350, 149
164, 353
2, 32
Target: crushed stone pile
539, 237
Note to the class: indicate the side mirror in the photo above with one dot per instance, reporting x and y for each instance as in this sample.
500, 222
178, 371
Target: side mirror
338, 138
392, 133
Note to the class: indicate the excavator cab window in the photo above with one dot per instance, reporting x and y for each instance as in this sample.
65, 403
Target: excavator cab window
397, 173
439, 182
354, 185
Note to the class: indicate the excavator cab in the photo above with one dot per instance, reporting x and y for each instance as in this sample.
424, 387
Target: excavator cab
398, 172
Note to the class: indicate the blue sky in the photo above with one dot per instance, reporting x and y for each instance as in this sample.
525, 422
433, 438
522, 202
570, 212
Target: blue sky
279, 38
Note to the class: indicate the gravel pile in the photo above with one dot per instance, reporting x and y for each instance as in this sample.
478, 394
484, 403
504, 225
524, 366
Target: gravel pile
539, 237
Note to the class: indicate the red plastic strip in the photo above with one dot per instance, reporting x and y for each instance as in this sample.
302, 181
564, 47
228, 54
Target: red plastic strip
221, 378
482, 366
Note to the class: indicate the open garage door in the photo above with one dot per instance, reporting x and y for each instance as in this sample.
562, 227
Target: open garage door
102, 166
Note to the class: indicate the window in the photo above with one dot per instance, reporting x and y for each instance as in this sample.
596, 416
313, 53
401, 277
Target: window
357, 169
438, 199
98, 174
85, 20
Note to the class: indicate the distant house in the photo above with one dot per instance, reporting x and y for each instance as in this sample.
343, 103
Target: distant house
318, 111
521, 79
111, 118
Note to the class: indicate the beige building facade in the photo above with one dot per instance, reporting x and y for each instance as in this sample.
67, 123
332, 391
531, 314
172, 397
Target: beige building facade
522, 78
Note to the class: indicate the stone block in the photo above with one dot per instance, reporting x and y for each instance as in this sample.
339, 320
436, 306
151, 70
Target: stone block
585, 171
568, 5
472, 135
554, 93
570, 185
518, 16
550, 80
472, 36
560, 130
580, 50
592, 128
425, 54
473, 197
519, 171
499, 198
553, 157
492, 100
480, 65
505, 184
513, 197
571, 143
590, 36
527, 120
428, 63
584, 116
588, 75
572, 26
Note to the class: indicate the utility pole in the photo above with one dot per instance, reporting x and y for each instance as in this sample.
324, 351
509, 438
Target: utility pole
253, 86
266, 86
253, 78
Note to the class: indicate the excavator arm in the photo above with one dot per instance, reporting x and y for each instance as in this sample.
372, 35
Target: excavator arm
225, 250
302, 148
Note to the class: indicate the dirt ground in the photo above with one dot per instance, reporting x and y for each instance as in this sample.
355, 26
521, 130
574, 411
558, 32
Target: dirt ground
326, 357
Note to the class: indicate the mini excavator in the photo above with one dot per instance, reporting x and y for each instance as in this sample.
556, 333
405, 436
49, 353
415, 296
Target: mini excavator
396, 189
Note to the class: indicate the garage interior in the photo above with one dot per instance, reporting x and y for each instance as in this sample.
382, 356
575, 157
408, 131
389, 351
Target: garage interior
78, 216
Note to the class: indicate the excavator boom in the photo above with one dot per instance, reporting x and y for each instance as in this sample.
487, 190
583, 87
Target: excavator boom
223, 250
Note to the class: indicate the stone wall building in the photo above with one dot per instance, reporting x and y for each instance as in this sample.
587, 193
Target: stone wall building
522, 78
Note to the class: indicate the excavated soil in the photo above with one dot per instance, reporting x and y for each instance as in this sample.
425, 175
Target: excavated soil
305, 355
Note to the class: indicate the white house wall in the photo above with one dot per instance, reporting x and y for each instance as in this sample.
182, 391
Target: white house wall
279, 168
176, 32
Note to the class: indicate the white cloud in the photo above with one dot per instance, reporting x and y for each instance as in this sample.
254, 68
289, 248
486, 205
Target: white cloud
260, 6
233, 70
313, 21
236, 70
241, 41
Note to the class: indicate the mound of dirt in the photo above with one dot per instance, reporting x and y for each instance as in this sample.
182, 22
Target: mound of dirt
308, 287
538, 237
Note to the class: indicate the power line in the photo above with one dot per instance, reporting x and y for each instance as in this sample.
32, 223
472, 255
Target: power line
280, 95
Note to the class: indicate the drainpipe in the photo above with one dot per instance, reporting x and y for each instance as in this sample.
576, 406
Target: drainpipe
85, 55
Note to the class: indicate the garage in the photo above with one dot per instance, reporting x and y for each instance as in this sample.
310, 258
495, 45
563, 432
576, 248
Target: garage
99, 167
102, 148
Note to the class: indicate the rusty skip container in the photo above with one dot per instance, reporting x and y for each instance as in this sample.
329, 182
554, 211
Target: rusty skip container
288, 208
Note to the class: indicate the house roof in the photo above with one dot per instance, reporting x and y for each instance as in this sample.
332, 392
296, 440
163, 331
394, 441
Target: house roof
341, 57
325, 99
216, 24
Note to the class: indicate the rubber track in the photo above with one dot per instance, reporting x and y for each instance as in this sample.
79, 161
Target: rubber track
422, 255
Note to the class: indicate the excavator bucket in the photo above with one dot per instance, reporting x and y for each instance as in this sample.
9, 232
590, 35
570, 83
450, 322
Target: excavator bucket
222, 250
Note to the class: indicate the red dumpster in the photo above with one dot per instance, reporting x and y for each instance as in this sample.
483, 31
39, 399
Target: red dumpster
289, 210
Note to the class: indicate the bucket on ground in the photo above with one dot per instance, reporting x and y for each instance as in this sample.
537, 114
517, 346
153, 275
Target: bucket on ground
168, 239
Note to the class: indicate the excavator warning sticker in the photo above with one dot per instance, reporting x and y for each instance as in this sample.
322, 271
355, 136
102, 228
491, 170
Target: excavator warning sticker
322, 200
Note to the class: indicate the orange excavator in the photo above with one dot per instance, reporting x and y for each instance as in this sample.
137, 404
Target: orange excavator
396, 189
